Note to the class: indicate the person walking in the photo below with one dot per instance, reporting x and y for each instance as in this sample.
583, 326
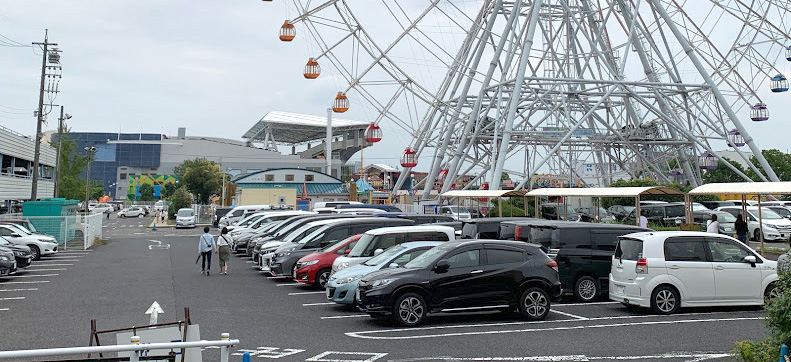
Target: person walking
643, 219
206, 246
713, 226
741, 228
224, 250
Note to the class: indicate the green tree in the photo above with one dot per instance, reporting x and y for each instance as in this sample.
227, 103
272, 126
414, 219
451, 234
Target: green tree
167, 190
779, 161
180, 199
201, 177
72, 165
724, 173
146, 192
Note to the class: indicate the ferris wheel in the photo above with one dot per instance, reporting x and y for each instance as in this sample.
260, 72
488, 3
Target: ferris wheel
584, 91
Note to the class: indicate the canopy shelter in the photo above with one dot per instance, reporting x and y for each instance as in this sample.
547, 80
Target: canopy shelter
479, 194
743, 189
599, 192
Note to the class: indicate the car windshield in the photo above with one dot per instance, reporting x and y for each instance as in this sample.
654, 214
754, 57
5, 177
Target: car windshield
766, 214
248, 220
385, 256
271, 226
314, 234
429, 257
300, 233
459, 209
30, 227
361, 245
3, 241
781, 211
185, 212
20, 230
332, 247
723, 216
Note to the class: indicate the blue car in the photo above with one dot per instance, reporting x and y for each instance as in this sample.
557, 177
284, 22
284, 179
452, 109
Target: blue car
342, 285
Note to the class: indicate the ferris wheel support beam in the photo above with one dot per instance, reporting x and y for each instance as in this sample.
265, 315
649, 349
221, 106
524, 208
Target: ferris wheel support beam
438, 157
715, 90
527, 45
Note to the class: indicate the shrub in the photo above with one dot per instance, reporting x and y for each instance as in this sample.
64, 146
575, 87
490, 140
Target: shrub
778, 324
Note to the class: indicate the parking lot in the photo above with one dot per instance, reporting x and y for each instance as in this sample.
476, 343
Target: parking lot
51, 304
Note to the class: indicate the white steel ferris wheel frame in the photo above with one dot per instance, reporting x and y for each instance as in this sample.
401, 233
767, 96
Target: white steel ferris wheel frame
647, 97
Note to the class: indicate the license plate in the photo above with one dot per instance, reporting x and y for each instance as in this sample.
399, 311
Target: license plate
620, 289
329, 294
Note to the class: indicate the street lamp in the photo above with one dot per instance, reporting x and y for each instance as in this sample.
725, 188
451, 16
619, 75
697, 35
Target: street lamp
91, 150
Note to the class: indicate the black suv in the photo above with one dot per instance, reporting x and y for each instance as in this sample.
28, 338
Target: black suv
669, 214
460, 276
583, 251
486, 228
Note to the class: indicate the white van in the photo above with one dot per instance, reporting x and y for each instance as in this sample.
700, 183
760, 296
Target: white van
775, 227
328, 206
374, 242
240, 212
458, 213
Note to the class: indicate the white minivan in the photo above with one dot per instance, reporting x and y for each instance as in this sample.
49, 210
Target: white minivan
776, 227
667, 270
240, 212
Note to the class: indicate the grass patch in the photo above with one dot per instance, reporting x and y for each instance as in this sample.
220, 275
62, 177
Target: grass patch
97, 241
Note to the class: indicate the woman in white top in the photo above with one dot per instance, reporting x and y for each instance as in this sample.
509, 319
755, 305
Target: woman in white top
224, 249
713, 226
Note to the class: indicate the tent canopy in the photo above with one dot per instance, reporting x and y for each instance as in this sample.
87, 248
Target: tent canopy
484, 193
744, 188
606, 191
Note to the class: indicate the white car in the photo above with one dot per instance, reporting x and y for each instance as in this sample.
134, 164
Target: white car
185, 218
100, 208
667, 270
134, 211
159, 205
458, 213
39, 244
775, 227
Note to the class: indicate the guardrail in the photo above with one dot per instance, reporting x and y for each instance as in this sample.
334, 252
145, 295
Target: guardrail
224, 343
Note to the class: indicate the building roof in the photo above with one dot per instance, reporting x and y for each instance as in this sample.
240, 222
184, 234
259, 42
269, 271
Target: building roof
364, 186
292, 128
311, 188
381, 167
744, 188
606, 191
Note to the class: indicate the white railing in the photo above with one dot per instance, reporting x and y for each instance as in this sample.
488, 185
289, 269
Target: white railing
91, 228
224, 343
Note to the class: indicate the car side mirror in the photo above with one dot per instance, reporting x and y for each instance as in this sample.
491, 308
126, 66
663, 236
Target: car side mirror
750, 259
347, 251
393, 265
442, 266
378, 251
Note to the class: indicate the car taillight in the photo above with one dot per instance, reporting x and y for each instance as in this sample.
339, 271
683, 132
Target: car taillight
642, 266
518, 233
553, 264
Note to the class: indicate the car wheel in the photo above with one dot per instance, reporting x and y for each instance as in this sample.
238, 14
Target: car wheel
139, 215
35, 251
534, 304
586, 289
757, 234
771, 293
409, 309
322, 276
123, 216
665, 300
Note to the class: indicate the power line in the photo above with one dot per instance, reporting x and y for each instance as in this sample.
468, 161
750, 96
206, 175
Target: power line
11, 43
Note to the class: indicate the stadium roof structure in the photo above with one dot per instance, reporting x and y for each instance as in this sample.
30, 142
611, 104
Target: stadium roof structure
292, 128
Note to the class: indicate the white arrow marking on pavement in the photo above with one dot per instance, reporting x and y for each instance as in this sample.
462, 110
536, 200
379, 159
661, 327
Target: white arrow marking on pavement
154, 310
158, 246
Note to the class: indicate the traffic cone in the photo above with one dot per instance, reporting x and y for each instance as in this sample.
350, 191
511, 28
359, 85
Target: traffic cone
154, 228
246, 357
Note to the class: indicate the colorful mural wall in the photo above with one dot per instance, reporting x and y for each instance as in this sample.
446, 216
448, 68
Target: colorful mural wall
157, 181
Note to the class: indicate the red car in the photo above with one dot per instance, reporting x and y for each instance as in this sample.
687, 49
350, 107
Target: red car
315, 268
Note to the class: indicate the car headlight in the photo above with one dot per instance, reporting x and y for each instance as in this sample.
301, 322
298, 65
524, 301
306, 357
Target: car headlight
349, 279
343, 265
381, 283
19, 253
312, 262
47, 241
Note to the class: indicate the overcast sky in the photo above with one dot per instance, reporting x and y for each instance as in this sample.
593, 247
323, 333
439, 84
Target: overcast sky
213, 66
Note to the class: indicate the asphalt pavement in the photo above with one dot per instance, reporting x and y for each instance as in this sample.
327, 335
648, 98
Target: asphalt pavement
276, 319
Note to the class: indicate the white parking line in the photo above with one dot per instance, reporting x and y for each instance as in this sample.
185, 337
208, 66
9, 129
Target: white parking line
42, 270
56, 261
12, 298
70, 253
284, 284
303, 293
688, 356
48, 265
322, 357
19, 290
5, 309
576, 304
30, 282
35, 276
346, 316
568, 314
315, 304
366, 334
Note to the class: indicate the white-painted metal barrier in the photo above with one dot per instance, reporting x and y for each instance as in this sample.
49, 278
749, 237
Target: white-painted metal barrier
224, 343
91, 228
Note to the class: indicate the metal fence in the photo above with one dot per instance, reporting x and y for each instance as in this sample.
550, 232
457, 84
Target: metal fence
91, 229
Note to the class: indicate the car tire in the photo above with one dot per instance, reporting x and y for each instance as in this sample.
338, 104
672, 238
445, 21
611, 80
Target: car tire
665, 300
757, 234
35, 251
140, 215
409, 309
321, 278
586, 289
123, 216
534, 304
771, 292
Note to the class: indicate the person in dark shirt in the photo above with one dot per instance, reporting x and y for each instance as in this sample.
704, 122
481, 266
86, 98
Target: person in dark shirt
741, 228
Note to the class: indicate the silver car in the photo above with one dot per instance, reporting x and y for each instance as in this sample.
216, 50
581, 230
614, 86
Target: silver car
185, 218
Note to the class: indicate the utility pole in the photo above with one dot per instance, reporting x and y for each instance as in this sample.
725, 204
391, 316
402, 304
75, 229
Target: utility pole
40, 113
57, 154
90, 150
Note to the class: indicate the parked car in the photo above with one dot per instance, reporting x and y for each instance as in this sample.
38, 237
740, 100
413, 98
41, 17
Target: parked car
593, 214
747, 202
669, 270
359, 211
486, 228
7, 262
218, 213
712, 205
726, 220
39, 244
665, 214
284, 262
620, 211
159, 205
315, 268
239, 213
267, 242
341, 286
242, 236
100, 208
776, 203
375, 241
780, 210
775, 227
460, 276
555, 211
185, 217
22, 253
458, 213
24, 223
385, 208
134, 211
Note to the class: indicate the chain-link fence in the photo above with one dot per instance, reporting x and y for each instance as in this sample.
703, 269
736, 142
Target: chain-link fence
75, 231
